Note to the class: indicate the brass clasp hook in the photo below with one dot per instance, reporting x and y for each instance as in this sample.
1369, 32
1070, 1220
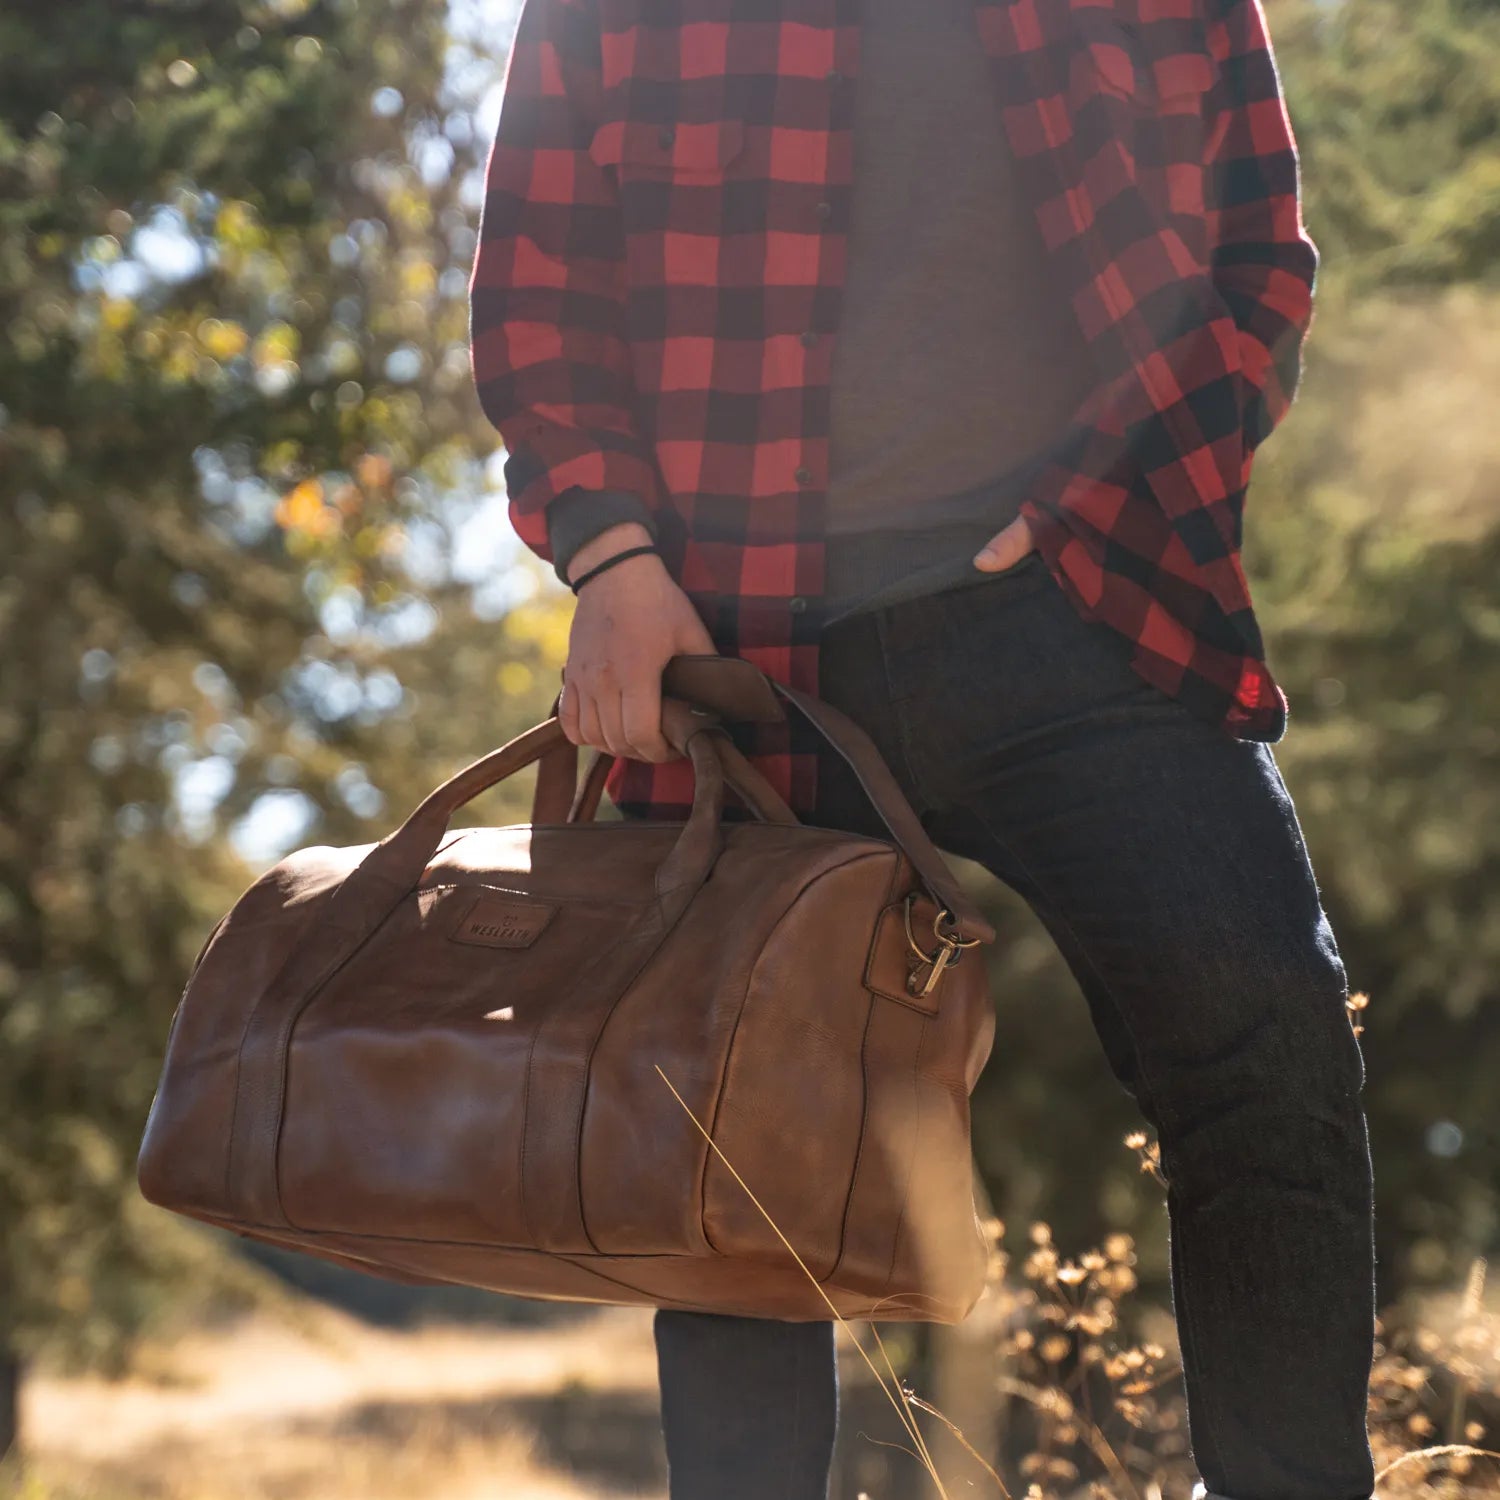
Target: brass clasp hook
948, 951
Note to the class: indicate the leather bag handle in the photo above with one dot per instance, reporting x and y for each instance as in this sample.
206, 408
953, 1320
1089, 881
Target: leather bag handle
737, 689
397, 862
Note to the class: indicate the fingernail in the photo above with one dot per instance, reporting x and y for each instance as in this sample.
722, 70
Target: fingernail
983, 558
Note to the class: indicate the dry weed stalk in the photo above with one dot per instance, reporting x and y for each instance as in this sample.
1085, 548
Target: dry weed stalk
1107, 1418
1437, 1377
896, 1396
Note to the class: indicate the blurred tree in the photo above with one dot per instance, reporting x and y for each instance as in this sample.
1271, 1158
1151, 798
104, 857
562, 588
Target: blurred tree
1397, 104
234, 392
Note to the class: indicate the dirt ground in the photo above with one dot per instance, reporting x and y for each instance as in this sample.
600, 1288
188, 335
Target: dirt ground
337, 1410
313, 1403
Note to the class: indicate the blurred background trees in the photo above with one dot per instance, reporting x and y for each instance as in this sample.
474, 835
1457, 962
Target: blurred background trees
259, 588
239, 459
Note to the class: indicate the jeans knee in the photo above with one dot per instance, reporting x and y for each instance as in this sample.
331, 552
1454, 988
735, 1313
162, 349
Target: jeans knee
1276, 1089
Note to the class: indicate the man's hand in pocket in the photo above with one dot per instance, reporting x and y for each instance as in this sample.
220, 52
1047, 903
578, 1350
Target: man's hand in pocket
1006, 548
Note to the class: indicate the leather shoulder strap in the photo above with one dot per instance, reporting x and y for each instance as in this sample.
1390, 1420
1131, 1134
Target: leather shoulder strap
738, 689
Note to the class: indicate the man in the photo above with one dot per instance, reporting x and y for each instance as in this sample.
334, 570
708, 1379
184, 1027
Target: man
917, 350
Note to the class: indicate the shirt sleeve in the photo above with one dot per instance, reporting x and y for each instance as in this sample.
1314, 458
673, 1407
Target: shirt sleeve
550, 358
1264, 261
577, 516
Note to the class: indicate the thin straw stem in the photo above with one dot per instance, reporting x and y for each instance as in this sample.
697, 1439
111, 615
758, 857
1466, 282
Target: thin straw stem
900, 1406
1446, 1450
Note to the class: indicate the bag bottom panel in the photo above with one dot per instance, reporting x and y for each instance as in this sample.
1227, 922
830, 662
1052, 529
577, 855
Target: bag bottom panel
688, 1282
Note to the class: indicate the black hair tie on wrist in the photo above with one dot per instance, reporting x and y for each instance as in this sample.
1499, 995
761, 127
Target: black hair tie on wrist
609, 562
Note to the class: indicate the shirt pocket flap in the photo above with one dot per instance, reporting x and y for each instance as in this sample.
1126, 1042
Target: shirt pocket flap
1108, 57
676, 148
1148, 65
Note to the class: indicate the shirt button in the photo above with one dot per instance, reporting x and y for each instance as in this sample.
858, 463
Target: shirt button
825, 210
809, 338
796, 605
804, 475
666, 135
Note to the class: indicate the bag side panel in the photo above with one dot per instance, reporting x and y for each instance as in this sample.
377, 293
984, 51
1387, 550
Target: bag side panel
913, 1236
642, 1159
791, 1115
183, 1161
415, 1074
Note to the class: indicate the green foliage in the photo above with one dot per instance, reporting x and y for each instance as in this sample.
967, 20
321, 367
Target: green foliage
1397, 106
232, 372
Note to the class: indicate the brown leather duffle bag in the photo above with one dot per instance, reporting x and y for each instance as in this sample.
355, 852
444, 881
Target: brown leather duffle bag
629, 1061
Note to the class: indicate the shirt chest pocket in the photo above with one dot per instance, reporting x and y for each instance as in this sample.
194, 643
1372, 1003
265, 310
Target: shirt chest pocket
693, 151
1144, 93
1163, 67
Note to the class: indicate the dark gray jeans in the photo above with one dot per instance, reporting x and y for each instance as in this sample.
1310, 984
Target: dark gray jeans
1167, 863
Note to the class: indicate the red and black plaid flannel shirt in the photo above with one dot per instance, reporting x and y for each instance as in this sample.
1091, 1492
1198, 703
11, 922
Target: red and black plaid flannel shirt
656, 291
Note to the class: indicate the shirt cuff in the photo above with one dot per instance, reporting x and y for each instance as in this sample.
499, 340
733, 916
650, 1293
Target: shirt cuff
577, 516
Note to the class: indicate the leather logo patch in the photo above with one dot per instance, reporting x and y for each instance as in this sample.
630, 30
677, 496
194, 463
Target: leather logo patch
496, 921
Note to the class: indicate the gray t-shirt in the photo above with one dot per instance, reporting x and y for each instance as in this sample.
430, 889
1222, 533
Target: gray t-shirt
957, 363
